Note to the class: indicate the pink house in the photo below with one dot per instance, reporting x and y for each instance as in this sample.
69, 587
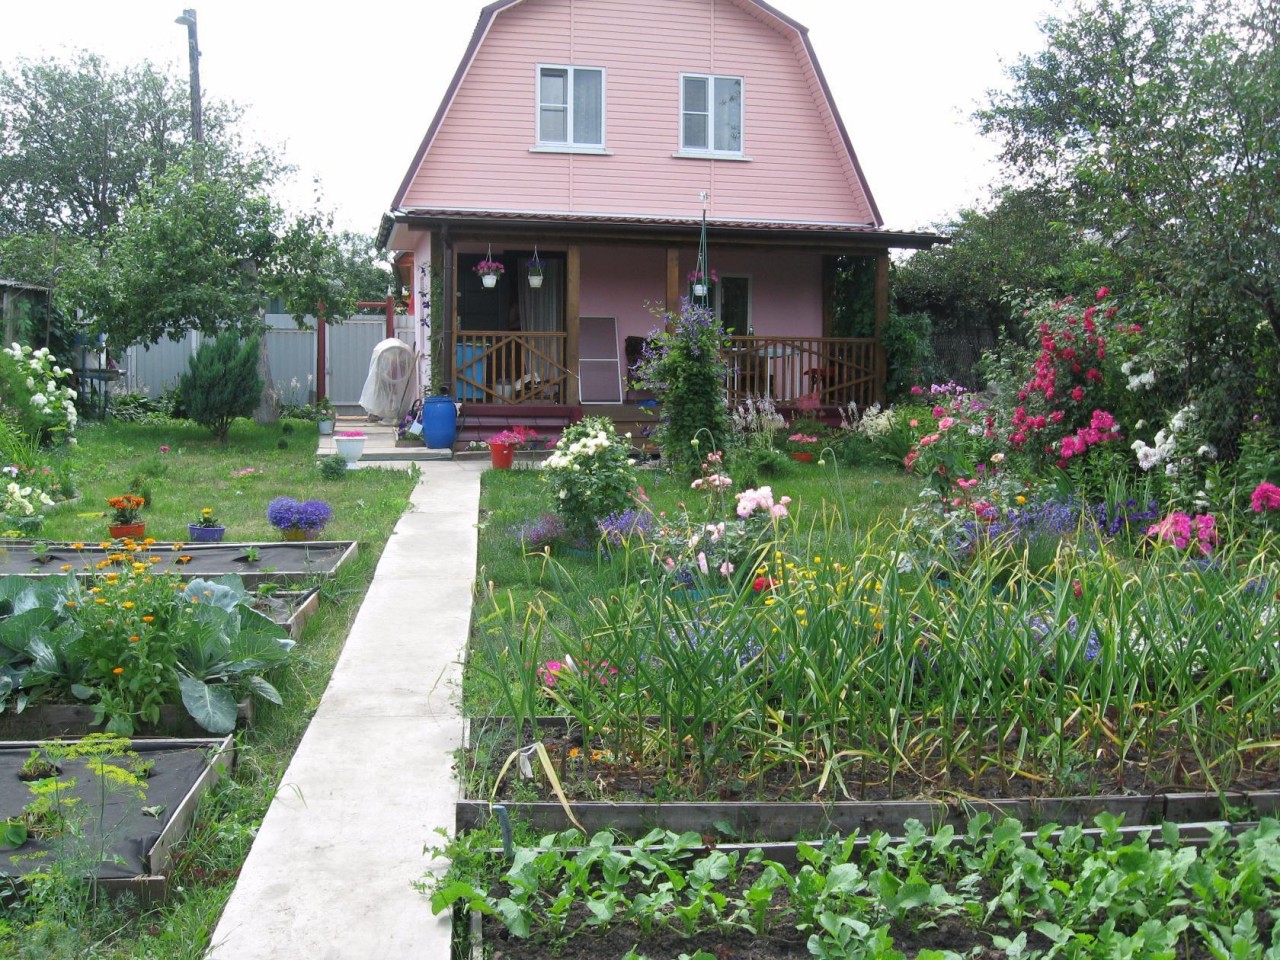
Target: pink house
589, 142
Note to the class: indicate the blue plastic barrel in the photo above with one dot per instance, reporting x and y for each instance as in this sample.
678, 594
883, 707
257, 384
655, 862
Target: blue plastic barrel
439, 422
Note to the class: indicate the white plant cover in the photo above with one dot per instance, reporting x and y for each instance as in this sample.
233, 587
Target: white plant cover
388, 392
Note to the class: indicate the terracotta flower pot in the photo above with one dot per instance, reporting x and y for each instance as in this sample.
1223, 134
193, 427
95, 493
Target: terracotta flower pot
501, 455
134, 531
802, 457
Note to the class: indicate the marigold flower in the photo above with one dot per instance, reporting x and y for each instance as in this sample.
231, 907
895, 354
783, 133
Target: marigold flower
135, 638
65, 567
118, 670
148, 618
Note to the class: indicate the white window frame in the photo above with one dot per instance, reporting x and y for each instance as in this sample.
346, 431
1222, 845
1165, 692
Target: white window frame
569, 146
710, 150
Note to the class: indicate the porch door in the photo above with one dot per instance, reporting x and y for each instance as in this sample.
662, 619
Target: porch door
733, 305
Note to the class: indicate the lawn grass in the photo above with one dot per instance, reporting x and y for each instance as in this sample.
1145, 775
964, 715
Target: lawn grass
194, 473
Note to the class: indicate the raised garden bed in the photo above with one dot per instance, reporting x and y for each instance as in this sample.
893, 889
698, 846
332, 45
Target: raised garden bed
277, 562
138, 834
291, 609
42, 721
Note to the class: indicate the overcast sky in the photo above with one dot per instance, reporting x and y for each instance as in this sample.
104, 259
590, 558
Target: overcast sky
348, 89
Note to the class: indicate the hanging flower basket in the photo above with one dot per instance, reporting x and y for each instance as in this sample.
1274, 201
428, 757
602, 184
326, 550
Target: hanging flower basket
536, 264
489, 272
702, 282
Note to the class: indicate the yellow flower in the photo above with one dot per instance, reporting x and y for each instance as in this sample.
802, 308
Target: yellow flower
99, 600
574, 752
148, 618
135, 638
77, 546
70, 603
128, 604
104, 545
118, 670
770, 601
1021, 499
65, 567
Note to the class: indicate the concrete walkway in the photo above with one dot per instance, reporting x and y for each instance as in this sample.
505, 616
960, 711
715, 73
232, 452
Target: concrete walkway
330, 872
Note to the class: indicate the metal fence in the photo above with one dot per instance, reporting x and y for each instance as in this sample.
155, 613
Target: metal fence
292, 351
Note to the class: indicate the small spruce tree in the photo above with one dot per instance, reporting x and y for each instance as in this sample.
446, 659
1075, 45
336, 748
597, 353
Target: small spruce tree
222, 383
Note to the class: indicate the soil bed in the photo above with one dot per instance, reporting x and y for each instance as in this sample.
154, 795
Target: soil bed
279, 562
589, 771
134, 836
42, 721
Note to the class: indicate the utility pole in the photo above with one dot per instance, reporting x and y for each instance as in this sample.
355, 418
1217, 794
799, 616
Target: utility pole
188, 20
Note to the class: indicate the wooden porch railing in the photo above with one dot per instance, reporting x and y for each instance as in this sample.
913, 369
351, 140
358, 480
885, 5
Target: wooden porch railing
521, 367
837, 370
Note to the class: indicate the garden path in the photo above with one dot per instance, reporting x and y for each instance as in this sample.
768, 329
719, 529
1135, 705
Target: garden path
329, 875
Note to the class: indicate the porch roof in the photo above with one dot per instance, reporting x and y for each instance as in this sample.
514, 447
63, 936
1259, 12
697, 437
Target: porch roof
394, 229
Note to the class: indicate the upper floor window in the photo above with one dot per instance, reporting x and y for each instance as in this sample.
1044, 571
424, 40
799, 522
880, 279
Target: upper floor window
571, 107
710, 114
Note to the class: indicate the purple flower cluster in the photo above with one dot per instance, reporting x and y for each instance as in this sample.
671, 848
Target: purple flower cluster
285, 513
619, 527
537, 533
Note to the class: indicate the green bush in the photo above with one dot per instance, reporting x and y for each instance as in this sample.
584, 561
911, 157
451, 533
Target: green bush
684, 365
222, 383
591, 475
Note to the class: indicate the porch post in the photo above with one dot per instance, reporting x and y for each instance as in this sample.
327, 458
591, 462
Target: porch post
828, 296
447, 312
882, 321
673, 279
572, 310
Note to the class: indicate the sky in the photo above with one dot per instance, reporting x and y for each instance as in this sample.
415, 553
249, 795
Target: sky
347, 91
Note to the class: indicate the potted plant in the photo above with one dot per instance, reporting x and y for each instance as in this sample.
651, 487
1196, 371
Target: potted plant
503, 445
126, 521
489, 271
206, 529
324, 416
350, 444
298, 521
701, 281
800, 446
536, 264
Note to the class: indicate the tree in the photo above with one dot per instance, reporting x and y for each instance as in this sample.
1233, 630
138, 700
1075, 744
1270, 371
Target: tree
1157, 123
79, 141
222, 383
1023, 241
203, 249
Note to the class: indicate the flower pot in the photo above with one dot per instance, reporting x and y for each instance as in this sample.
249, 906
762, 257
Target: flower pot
201, 534
501, 455
699, 289
535, 280
326, 427
295, 534
134, 531
350, 449
490, 280
802, 457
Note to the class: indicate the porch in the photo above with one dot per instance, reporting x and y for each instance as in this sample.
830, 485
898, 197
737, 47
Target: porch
520, 368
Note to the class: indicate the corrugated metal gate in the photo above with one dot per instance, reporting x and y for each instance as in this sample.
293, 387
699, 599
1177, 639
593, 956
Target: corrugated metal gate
292, 352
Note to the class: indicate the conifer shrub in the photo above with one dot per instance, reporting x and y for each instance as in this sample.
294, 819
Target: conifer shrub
222, 383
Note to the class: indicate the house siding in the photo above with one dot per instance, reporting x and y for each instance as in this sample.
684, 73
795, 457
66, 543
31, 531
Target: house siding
798, 168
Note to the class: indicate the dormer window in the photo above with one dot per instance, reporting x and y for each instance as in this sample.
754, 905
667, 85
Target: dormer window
710, 115
571, 108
